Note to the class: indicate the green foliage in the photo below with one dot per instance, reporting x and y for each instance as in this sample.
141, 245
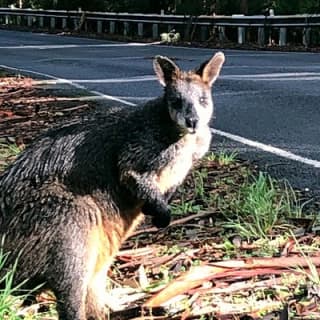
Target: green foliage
260, 207
8, 302
188, 7
7, 153
223, 158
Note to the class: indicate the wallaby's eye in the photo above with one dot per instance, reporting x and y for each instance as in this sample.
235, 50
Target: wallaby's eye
203, 100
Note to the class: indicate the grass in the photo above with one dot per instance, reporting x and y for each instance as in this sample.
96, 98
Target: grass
312, 275
200, 198
256, 208
9, 301
12, 296
223, 158
261, 207
8, 152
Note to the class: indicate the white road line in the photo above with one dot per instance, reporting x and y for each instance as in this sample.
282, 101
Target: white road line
108, 80
136, 98
66, 46
89, 59
276, 74
116, 80
108, 97
61, 80
255, 144
306, 76
268, 148
310, 66
315, 78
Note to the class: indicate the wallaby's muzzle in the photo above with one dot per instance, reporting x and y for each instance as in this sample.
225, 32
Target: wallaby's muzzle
192, 124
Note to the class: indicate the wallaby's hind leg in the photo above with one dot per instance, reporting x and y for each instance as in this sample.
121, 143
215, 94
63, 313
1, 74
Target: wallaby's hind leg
82, 300
70, 272
71, 301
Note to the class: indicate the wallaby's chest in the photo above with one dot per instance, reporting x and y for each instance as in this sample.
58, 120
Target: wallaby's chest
189, 149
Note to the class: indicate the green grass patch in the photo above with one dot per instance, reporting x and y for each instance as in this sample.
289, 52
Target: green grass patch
261, 208
10, 296
8, 152
223, 158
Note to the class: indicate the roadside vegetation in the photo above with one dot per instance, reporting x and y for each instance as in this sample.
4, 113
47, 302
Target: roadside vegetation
186, 7
241, 243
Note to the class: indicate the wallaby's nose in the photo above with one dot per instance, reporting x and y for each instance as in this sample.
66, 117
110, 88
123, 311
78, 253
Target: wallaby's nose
192, 123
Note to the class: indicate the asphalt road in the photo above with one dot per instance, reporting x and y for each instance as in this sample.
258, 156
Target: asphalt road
262, 98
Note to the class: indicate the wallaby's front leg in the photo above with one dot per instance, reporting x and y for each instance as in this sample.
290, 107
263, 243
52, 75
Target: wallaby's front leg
144, 189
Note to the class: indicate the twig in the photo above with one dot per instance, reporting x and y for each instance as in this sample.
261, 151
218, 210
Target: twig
200, 214
83, 106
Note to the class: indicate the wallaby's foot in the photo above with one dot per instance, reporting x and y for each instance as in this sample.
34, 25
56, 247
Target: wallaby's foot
161, 215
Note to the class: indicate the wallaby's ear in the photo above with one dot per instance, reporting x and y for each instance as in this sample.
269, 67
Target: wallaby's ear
210, 70
165, 69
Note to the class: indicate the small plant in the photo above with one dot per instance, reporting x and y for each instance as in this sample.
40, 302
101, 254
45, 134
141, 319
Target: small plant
9, 303
184, 207
199, 177
312, 276
223, 158
259, 208
11, 297
7, 154
9, 150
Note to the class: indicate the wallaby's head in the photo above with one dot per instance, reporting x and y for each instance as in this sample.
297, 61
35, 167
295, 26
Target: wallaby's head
188, 94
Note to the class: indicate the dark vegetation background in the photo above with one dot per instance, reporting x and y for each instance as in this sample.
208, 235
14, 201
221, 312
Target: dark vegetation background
225, 7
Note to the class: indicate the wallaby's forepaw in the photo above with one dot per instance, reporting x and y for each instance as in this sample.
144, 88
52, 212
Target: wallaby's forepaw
161, 221
161, 215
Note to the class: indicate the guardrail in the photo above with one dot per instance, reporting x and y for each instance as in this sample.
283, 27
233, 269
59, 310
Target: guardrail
201, 28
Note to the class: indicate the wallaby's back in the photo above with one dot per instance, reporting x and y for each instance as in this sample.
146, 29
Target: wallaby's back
70, 199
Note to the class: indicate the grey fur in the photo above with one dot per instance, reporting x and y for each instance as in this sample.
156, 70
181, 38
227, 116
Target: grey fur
70, 199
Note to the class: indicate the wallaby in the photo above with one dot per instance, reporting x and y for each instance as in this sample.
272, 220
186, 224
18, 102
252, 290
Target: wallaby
71, 198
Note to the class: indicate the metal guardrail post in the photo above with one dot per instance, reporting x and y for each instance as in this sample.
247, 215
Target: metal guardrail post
64, 23
140, 29
283, 36
99, 26
155, 31
306, 36
52, 23
41, 22
222, 33
29, 21
112, 27
241, 35
261, 36
75, 23
126, 28
204, 33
